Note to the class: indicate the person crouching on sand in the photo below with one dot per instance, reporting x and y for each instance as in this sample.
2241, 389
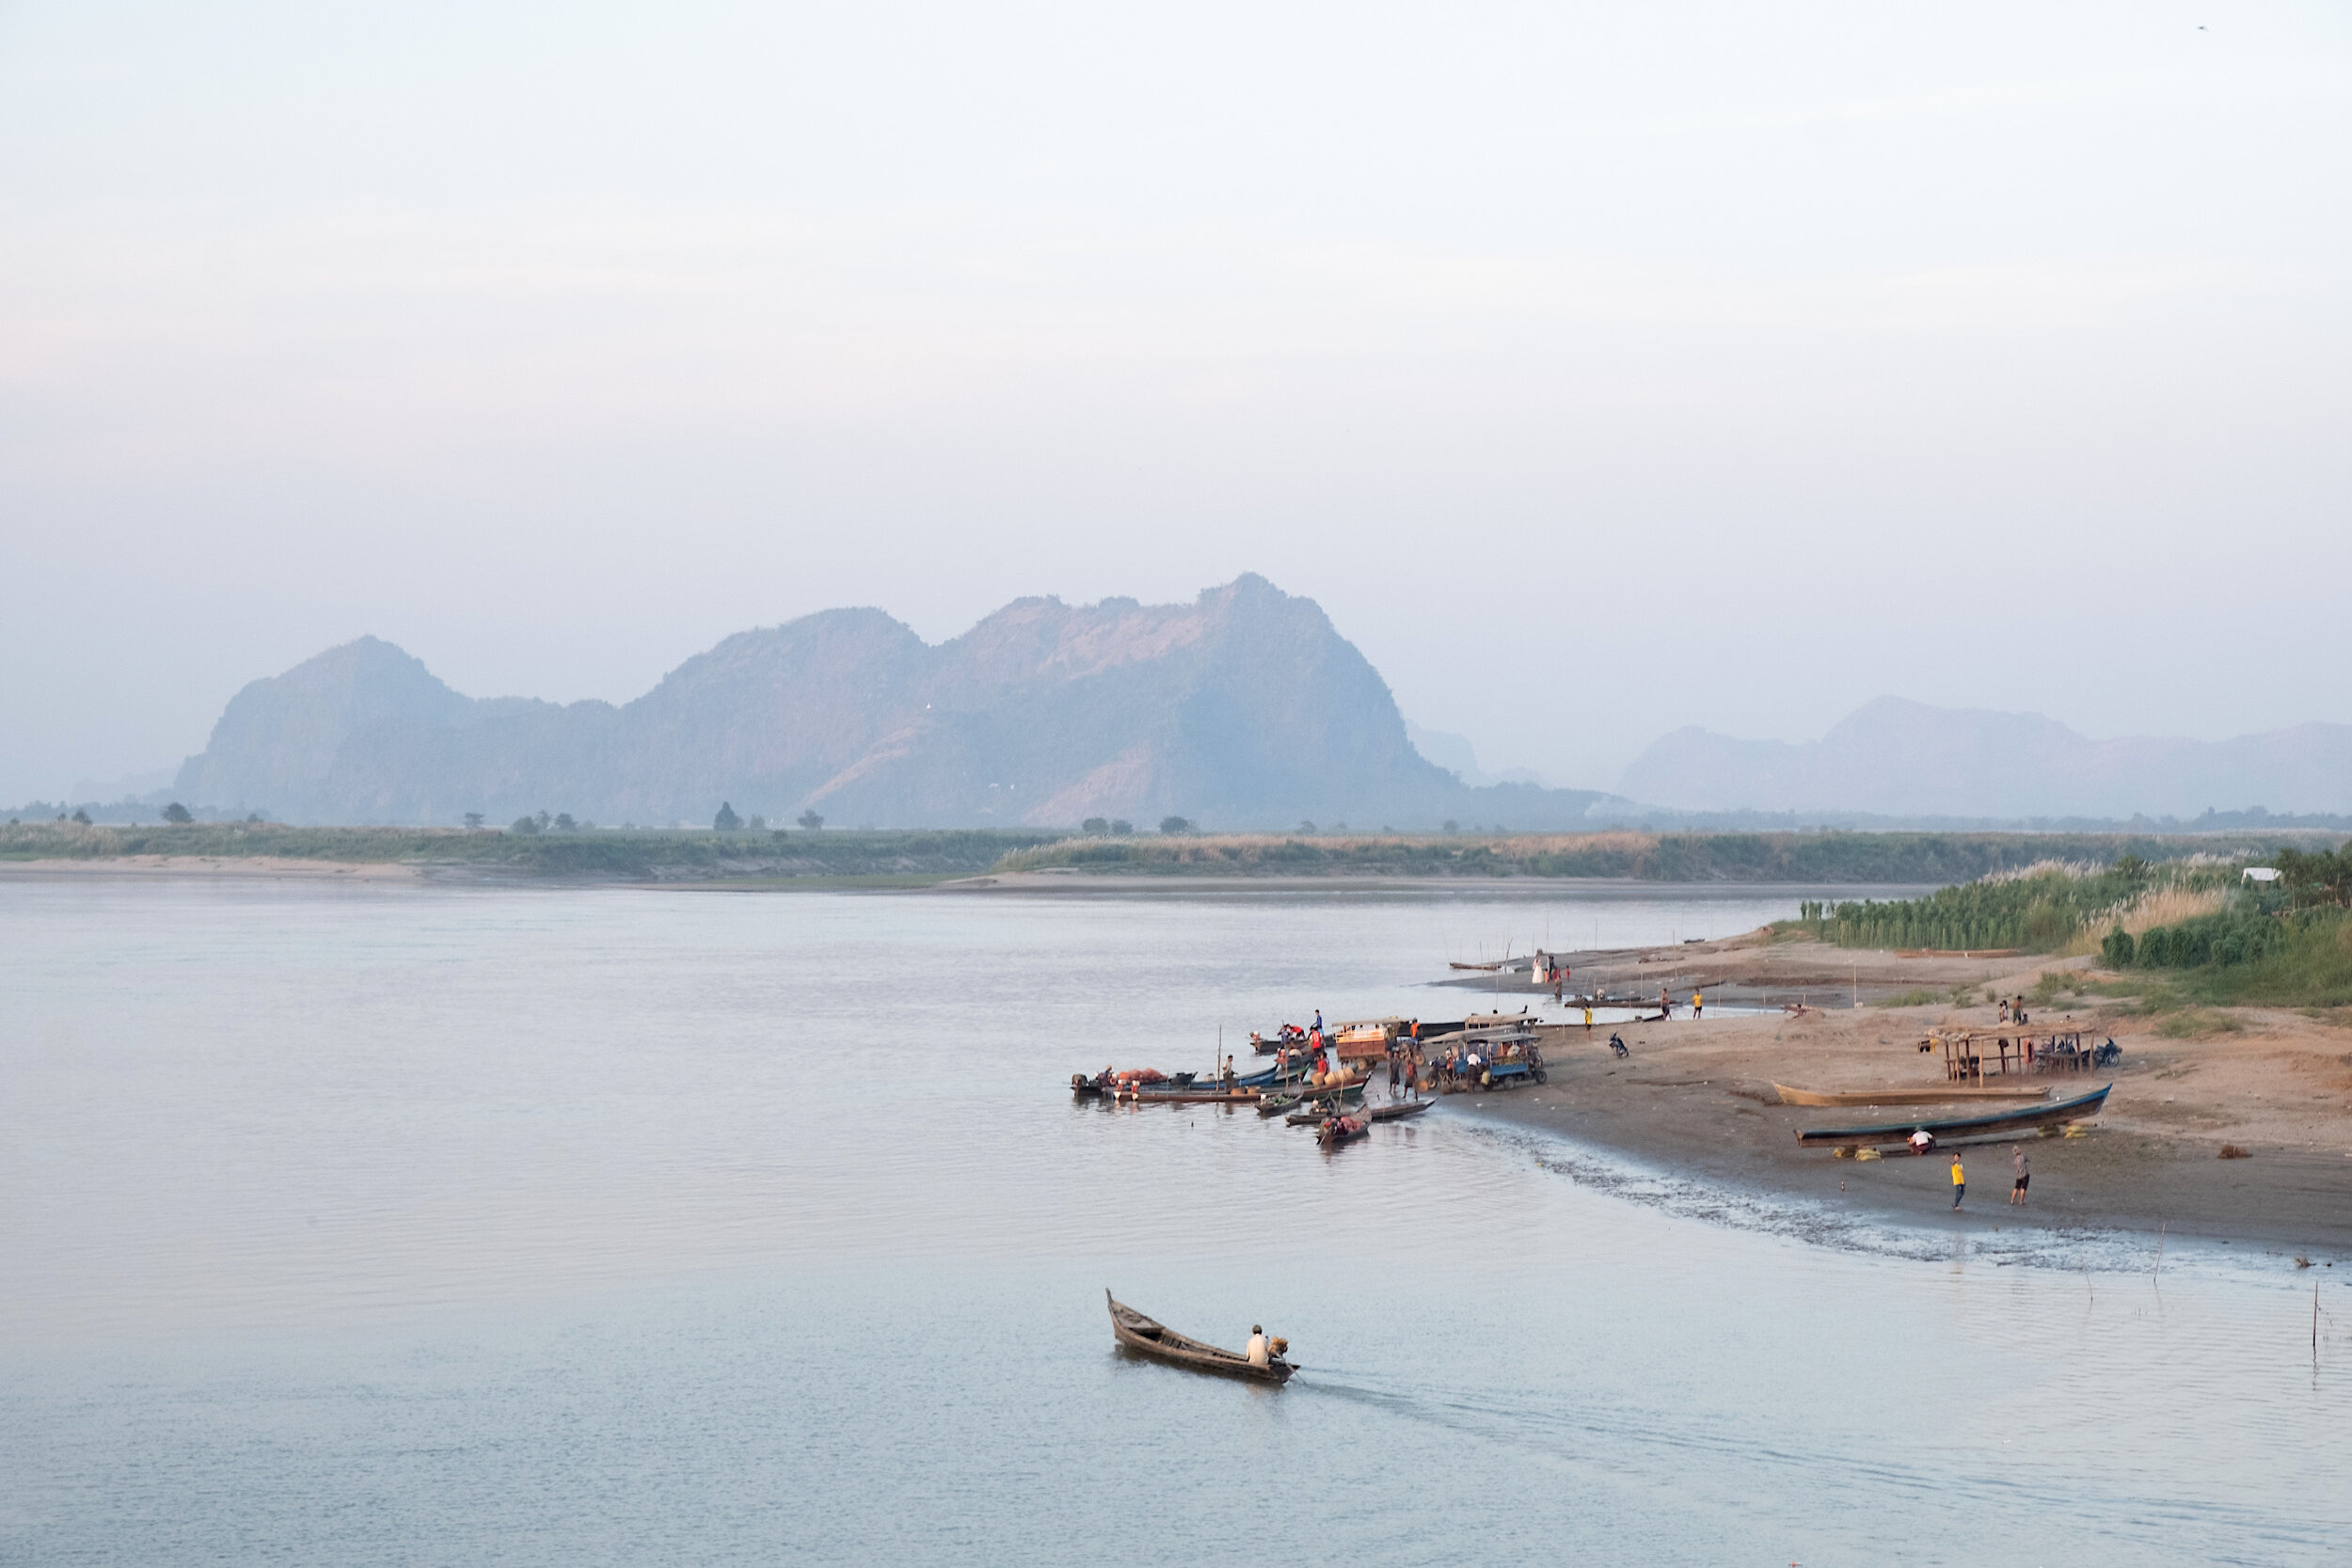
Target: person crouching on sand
1959, 1179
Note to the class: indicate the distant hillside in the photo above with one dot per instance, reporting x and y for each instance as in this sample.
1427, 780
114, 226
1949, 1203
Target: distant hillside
1244, 708
1904, 759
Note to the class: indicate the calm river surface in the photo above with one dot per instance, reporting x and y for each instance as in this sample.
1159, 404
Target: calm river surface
394, 1224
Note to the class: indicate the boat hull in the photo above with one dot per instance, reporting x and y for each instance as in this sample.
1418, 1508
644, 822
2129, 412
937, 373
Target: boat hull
1924, 1095
1992, 1124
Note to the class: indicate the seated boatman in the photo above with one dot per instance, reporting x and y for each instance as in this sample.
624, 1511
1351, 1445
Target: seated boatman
1257, 1351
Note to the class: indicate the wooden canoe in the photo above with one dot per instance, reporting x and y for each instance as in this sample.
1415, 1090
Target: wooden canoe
1937, 1094
1275, 1105
1398, 1110
1152, 1338
1340, 1130
1322, 1108
1992, 1124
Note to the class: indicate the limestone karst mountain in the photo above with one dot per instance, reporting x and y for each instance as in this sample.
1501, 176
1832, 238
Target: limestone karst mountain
1244, 708
1908, 760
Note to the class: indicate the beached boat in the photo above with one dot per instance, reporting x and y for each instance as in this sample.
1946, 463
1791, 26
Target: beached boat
1399, 1110
1340, 1129
1991, 1124
1150, 1337
1938, 1094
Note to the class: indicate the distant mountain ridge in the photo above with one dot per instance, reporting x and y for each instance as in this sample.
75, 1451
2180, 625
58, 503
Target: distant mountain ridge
1903, 759
1244, 708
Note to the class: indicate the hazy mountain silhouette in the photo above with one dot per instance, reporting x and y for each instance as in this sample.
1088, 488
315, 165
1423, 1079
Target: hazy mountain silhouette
1244, 708
1906, 759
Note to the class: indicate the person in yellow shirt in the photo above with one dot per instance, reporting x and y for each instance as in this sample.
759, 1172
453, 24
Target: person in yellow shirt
1960, 1179
1699, 1005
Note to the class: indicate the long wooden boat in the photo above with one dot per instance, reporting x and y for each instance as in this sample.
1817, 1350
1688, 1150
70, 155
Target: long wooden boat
1213, 1094
1150, 1337
1993, 1123
1938, 1094
1399, 1110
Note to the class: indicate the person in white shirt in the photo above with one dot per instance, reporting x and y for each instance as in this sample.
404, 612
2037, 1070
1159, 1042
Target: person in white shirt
1257, 1351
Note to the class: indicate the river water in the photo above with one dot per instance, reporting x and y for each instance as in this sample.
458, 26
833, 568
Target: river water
398, 1225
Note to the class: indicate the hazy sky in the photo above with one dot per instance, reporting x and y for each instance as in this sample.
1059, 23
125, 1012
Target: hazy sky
1600, 368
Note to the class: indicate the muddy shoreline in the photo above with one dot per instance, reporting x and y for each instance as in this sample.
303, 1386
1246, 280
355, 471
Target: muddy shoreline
1695, 1100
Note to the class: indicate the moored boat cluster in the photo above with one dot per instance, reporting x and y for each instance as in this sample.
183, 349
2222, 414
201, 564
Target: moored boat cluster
1328, 1079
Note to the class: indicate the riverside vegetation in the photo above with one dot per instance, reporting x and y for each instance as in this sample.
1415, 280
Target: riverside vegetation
2195, 931
2015, 863
643, 854
1685, 857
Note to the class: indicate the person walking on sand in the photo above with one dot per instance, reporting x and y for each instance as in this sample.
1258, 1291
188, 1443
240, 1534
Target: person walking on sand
1698, 1006
1959, 1179
2025, 1174
1588, 1017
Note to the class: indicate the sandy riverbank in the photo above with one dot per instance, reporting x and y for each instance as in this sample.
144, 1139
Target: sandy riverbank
1696, 1098
273, 867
